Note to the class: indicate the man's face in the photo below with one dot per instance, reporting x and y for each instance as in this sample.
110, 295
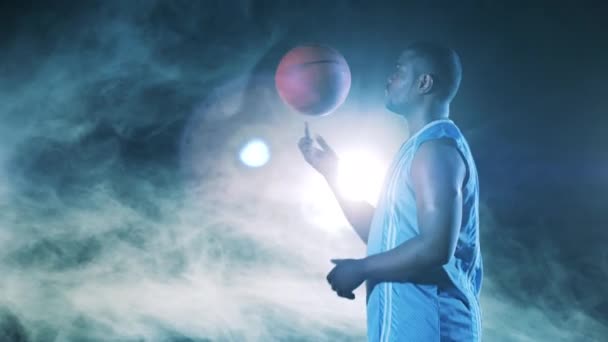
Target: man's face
400, 92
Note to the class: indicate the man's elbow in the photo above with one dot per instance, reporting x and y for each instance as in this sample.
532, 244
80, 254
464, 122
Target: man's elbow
439, 256
443, 259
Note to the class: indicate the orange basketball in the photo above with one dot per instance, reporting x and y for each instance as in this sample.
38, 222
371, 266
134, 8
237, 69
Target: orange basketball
313, 79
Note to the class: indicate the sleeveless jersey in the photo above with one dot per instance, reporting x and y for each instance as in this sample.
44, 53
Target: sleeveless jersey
410, 312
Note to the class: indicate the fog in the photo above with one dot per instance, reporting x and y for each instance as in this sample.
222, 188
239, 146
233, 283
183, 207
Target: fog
127, 216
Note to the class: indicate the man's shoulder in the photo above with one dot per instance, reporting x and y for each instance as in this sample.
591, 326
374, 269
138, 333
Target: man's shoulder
438, 156
442, 148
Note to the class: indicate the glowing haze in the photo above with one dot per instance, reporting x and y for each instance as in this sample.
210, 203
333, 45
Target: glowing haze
128, 211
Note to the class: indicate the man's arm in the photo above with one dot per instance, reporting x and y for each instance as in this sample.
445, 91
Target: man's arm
437, 174
358, 213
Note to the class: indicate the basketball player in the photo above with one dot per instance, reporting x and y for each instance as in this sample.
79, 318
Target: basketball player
424, 267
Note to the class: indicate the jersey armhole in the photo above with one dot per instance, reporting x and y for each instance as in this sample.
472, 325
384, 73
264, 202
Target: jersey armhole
452, 142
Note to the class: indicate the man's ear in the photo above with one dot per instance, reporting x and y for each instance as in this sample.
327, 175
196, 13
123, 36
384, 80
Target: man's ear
425, 83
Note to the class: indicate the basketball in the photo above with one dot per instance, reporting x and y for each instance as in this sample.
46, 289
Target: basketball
313, 79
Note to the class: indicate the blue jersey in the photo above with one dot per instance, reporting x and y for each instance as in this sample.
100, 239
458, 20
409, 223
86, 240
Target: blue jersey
426, 312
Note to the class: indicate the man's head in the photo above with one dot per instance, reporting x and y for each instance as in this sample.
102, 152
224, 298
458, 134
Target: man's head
424, 73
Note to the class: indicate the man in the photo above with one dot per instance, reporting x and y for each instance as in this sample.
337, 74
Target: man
423, 268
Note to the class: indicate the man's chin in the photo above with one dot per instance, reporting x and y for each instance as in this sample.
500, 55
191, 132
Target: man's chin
390, 106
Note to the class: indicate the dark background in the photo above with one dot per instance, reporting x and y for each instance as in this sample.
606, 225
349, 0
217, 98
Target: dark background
77, 104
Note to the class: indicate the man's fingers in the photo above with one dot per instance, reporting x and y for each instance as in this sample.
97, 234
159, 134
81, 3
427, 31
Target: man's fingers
305, 143
348, 295
306, 131
324, 144
305, 140
329, 276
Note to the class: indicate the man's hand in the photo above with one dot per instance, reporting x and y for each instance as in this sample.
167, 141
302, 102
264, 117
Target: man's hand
358, 213
324, 160
346, 276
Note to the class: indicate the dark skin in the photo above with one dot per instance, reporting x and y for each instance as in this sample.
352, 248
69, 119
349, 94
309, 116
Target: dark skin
437, 176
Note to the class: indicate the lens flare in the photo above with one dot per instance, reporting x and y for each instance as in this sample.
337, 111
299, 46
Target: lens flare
255, 153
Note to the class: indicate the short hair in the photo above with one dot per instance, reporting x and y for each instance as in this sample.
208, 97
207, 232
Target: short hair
445, 65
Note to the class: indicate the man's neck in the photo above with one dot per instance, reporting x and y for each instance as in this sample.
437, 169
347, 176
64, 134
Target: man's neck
417, 120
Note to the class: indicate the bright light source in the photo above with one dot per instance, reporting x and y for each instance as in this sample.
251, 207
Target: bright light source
360, 176
320, 207
255, 153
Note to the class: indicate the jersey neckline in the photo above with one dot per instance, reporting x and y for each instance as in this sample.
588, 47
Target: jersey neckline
428, 125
